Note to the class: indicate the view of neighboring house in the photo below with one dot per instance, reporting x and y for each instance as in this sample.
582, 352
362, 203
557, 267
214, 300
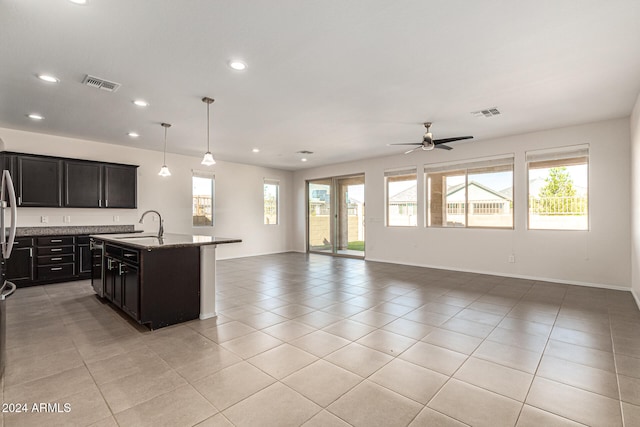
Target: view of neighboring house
487, 207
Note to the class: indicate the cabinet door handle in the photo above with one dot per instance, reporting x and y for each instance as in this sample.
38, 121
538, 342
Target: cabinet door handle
56, 250
56, 268
56, 241
30, 252
99, 203
56, 259
19, 200
129, 255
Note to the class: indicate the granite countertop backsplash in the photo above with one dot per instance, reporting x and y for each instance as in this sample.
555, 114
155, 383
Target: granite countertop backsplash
73, 230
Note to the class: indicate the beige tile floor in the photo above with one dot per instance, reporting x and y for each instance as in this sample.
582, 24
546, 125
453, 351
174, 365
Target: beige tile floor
319, 341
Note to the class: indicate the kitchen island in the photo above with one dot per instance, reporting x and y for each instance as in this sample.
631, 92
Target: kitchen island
159, 281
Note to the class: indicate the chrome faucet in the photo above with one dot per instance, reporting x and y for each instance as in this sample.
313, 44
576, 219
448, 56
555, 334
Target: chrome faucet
161, 229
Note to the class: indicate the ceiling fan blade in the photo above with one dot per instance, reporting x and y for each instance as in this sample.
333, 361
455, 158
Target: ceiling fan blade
444, 147
413, 149
407, 143
446, 140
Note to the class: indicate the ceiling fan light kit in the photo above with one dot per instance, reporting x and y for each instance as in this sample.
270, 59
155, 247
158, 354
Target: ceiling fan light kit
428, 143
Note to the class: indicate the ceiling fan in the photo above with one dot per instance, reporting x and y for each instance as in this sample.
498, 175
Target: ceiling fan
428, 143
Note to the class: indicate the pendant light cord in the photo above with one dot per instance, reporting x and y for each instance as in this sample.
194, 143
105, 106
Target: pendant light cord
208, 126
164, 157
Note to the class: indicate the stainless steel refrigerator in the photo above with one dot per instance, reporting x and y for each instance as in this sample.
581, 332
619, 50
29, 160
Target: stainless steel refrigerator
7, 237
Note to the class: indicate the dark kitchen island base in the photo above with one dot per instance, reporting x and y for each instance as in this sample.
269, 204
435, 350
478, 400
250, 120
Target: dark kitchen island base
158, 281
156, 288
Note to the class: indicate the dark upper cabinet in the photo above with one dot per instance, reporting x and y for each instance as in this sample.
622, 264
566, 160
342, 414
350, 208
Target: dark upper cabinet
120, 189
82, 184
45, 181
39, 181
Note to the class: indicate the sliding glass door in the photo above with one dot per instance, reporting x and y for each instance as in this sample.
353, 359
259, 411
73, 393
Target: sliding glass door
335, 215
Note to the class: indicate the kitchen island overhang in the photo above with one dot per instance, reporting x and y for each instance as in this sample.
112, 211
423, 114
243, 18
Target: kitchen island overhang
161, 281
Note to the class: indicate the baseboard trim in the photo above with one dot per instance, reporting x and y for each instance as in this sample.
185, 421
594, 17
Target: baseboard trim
514, 276
635, 297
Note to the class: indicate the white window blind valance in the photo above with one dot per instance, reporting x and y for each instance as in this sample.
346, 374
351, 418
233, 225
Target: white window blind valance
202, 174
271, 181
489, 162
573, 152
400, 172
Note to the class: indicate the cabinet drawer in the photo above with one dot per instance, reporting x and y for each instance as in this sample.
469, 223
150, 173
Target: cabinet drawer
82, 240
55, 250
130, 255
55, 241
47, 272
23, 242
55, 259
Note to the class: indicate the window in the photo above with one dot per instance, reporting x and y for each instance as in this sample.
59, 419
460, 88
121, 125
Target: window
473, 194
559, 188
402, 197
271, 190
203, 199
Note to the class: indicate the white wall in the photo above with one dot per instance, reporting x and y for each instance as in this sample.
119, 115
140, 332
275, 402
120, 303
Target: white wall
597, 257
635, 200
238, 192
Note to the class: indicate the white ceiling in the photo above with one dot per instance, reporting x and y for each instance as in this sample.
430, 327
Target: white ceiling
339, 78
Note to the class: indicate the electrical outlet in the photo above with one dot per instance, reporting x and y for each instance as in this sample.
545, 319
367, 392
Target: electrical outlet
44, 219
116, 218
66, 218
512, 258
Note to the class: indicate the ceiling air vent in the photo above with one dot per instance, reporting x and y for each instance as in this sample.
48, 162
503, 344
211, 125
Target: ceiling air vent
304, 152
99, 83
489, 112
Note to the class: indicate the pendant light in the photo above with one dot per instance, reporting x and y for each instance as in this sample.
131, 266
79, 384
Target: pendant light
208, 159
164, 170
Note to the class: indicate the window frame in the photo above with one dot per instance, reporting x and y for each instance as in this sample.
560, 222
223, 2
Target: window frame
469, 167
212, 177
398, 173
558, 154
276, 183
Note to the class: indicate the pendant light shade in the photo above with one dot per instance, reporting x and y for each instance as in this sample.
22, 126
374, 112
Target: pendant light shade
164, 170
208, 159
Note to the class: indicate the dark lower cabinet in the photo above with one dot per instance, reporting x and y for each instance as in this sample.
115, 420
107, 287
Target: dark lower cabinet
122, 282
85, 258
49, 259
131, 290
20, 266
157, 288
110, 269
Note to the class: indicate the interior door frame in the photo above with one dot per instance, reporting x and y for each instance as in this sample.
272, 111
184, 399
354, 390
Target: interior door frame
333, 215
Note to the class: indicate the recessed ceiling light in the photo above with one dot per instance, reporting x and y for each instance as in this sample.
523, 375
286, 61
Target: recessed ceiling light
256, 150
78, 1
47, 78
35, 116
141, 103
133, 134
304, 159
238, 65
